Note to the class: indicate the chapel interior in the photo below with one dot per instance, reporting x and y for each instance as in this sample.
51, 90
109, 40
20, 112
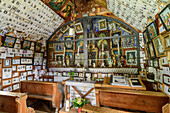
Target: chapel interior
84, 56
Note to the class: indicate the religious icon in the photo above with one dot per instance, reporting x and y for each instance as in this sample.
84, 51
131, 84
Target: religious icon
151, 50
152, 30
69, 45
67, 9
59, 59
56, 4
131, 57
69, 59
9, 41
115, 41
26, 44
59, 47
102, 24
79, 28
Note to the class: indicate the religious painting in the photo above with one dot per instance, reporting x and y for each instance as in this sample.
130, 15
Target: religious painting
145, 36
79, 59
66, 10
69, 58
115, 41
9, 41
167, 41
79, 44
7, 62
165, 17
102, 44
162, 29
158, 44
152, 30
79, 28
128, 42
59, 47
26, 44
102, 24
59, 36
131, 57
56, 4
70, 44
151, 50
112, 26
59, 59
64, 29
38, 46
143, 75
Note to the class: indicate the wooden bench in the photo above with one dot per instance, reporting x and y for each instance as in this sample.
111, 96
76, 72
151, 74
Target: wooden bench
11, 102
94, 109
43, 91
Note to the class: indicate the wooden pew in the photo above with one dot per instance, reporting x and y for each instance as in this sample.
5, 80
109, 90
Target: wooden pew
43, 91
11, 102
149, 101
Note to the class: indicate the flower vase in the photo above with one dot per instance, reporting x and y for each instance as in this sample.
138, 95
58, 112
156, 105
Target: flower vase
79, 110
71, 78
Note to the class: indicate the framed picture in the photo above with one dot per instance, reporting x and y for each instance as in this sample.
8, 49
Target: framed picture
38, 47
102, 24
17, 46
20, 67
114, 42
18, 54
151, 50
9, 88
30, 78
6, 82
112, 26
15, 74
69, 58
26, 44
64, 29
145, 36
166, 89
59, 47
159, 46
162, 29
26, 61
38, 58
167, 41
128, 42
160, 87
7, 62
152, 30
131, 57
155, 62
118, 80
28, 55
15, 80
79, 44
29, 67
164, 60
79, 58
165, 17
135, 82
88, 76
9, 41
59, 59
103, 44
15, 61
81, 75
69, 46
6, 73
9, 54
143, 75
166, 79
15, 87
79, 28
14, 68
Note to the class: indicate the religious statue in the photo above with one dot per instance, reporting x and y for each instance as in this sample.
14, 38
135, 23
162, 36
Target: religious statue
114, 60
67, 60
110, 61
122, 61
59, 62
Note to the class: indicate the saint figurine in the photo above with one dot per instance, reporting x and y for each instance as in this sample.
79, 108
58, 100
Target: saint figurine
67, 60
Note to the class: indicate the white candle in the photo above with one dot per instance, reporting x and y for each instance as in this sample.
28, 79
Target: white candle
78, 49
64, 50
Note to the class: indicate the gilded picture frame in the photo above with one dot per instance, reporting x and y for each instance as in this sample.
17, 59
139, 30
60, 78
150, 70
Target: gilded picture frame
167, 41
69, 46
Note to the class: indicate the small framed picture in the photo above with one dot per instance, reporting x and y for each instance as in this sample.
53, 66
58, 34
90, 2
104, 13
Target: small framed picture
6, 82
65, 28
26, 44
15, 61
20, 67
135, 82
118, 80
64, 74
14, 68
166, 79
69, 46
151, 50
26, 61
7, 62
76, 74
102, 24
79, 28
29, 67
152, 30
38, 47
80, 74
9, 41
160, 86
88, 76
143, 75
6, 73
167, 41
15, 74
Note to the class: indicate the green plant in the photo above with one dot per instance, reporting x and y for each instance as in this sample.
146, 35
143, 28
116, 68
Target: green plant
71, 73
79, 102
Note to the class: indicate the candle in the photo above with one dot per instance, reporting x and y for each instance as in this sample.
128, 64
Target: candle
78, 49
64, 50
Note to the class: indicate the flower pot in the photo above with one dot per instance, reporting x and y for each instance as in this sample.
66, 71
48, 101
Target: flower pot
79, 110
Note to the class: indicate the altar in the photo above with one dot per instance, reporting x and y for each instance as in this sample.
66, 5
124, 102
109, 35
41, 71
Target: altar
81, 89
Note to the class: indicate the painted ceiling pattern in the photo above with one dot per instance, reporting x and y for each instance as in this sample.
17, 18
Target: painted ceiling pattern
135, 12
31, 17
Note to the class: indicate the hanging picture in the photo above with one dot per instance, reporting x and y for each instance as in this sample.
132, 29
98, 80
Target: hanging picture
152, 30
7, 62
66, 10
115, 41
167, 41
69, 58
79, 58
20, 67
79, 28
79, 44
56, 5
165, 17
151, 50
64, 29
25, 61
128, 42
112, 26
59, 59
9, 41
14, 68
92, 58
59, 47
162, 29
131, 57
102, 24
15, 61
6, 73
158, 44
26, 44
38, 46
143, 75
102, 44
38, 58
69, 45
145, 36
